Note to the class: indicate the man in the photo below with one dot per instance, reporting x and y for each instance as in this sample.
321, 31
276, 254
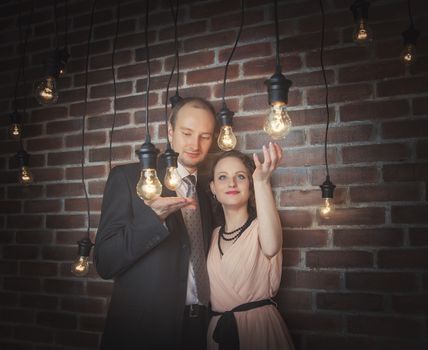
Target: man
159, 298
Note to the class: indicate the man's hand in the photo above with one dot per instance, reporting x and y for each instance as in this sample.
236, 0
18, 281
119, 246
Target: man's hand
164, 206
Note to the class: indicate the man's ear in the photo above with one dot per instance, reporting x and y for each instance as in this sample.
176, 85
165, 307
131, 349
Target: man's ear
170, 132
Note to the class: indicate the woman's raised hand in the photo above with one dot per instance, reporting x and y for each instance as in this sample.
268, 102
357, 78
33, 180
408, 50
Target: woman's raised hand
272, 157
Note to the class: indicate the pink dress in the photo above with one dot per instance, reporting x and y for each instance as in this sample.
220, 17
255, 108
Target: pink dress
243, 275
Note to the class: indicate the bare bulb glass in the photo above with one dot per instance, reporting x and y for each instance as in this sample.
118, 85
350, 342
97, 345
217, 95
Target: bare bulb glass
15, 130
327, 208
25, 176
408, 55
80, 266
172, 180
362, 33
149, 186
227, 139
278, 122
46, 92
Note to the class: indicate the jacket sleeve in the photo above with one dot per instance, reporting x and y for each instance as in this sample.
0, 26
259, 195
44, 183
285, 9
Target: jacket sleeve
123, 237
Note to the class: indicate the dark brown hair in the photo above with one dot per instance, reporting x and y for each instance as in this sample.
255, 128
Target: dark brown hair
250, 166
196, 102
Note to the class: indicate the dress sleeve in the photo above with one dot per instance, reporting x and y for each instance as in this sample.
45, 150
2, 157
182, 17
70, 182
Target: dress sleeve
122, 237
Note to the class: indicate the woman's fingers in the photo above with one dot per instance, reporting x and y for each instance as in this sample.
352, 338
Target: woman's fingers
256, 160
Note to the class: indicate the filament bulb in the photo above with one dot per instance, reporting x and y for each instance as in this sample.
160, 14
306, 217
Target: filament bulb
46, 92
278, 122
327, 208
408, 55
80, 266
362, 33
172, 180
25, 176
149, 186
15, 130
227, 139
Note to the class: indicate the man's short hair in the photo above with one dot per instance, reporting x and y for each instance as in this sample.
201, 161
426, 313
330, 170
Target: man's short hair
196, 102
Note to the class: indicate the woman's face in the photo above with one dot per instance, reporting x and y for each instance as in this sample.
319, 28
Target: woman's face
231, 183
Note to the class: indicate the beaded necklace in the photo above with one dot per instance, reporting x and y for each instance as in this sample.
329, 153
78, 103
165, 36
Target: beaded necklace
227, 236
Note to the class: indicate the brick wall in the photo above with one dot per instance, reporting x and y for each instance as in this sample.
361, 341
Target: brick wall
357, 281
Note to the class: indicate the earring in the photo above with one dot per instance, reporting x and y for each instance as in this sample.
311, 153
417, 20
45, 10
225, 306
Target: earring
214, 196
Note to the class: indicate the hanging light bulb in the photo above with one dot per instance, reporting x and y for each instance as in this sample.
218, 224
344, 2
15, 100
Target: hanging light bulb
327, 207
278, 122
24, 174
45, 90
63, 59
408, 55
226, 139
175, 99
362, 33
80, 266
149, 186
15, 128
172, 179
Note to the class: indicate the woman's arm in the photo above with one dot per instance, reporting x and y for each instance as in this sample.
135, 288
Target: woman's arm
270, 230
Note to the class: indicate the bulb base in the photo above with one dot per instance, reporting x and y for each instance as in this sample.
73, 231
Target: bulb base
327, 188
278, 86
170, 157
84, 247
225, 116
148, 155
175, 99
360, 9
410, 36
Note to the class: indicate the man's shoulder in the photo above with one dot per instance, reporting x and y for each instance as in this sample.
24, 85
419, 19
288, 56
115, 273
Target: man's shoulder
128, 168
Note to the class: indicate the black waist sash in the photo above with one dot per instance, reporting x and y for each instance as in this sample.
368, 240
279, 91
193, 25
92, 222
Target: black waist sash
226, 330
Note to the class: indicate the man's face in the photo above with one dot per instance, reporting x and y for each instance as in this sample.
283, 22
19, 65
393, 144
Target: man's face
192, 135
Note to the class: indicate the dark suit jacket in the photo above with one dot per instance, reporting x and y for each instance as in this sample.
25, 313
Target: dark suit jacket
148, 262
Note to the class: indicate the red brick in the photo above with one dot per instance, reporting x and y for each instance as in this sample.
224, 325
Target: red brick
24, 192
210, 75
305, 238
91, 139
300, 198
90, 172
103, 61
136, 101
349, 302
20, 252
291, 257
34, 237
405, 172
291, 300
25, 221
92, 108
355, 216
375, 152
338, 258
381, 281
283, 177
295, 218
8, 299
41, 269
313, 78
418, 236
183, 29
383, 326
47, 114
69, 96
341, 93
245, 51
60, 253
420, 105
368, 237
402, 86
191, 61
414, 214
107, 30
369, 72
79, 204
21, 284
308, 157
65, 221
82, 305
240, 87
208, 41
107, 90
373, 110
137, 70
292, 278
57, 320
63, 126
422, 149
94, 77
34, 333
405, 129
42, 206
65, 189
91, 323
256, 141
99, 289
410, 304
8, 268
10, 207
118, 153
95, 47
106, 121
266, 66
308, 41
98, 17
43, 144
96, 187
57, 286
385, 193
313, 321
343, 134
76, 339
260, 102
310, 116
37, 301
16, 315
155, 51
403, 258
64, 158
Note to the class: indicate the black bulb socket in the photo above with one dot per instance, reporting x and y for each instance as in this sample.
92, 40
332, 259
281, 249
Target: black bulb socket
84, 247
53, 64
170, 157
15, 118
64, 56
410, 36
278, 86
360, 9
327, 188
176, 99
148, 155
22, 158
225, 116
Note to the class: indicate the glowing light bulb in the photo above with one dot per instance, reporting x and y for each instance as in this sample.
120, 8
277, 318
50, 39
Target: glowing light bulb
15, 130
25, 176
408, 55
362, 33
278, 122
46, 92
227, 139
172, 180
149, 186
327, 208
80, 266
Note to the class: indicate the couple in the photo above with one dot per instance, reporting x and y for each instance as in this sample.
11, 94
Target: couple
156, 250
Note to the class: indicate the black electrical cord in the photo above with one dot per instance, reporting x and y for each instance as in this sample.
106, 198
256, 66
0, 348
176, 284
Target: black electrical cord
84, 119
56, 23
66, 24
233, 51
177, 57
278, 62
114, 81
325, 83
146, 37
409, 9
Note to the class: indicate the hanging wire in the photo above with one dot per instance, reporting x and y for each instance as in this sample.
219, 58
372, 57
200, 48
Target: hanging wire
146, 37
20, 63
325, 84
174, 16
85, 110
66, 24
278, 62
177, 57
409, 9
233, 51
114, 81
56, 23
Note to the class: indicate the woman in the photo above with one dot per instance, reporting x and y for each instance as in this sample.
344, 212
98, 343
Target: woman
245, 258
